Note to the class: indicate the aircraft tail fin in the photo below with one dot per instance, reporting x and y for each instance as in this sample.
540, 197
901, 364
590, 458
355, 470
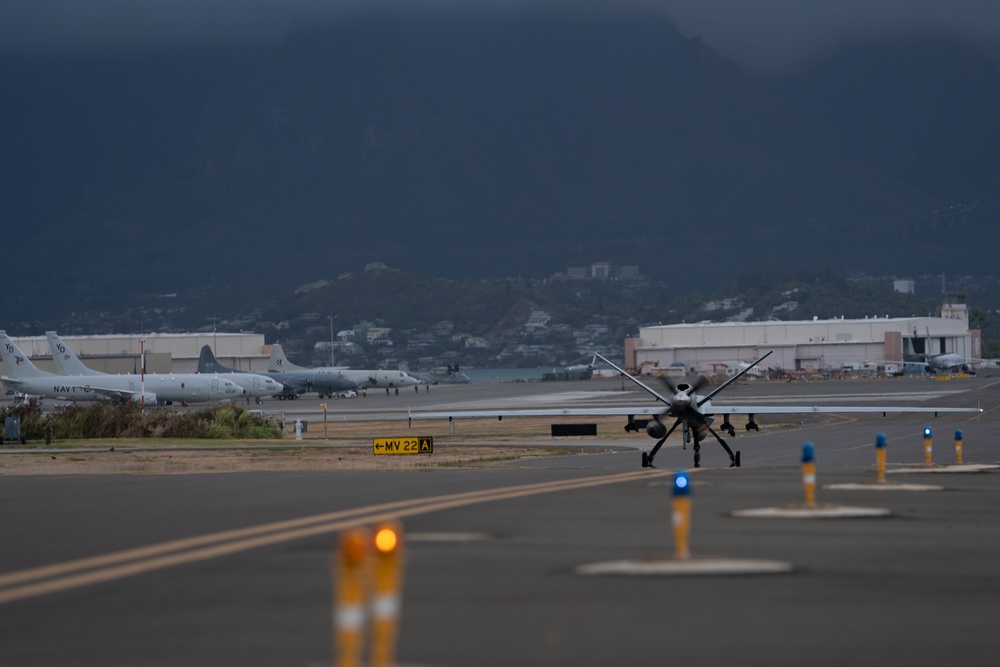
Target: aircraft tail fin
207, 363
17, 363
279, 362
66, 361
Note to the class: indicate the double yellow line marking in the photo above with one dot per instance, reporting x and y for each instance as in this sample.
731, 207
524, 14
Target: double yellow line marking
36, 581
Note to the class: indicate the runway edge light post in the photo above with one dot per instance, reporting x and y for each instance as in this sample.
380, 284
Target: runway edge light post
809, 473
880, 457
387, 594
351, 569
681, 517
927, 446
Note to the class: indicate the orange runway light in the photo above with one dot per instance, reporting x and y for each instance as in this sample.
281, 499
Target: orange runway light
351, 570
386, 594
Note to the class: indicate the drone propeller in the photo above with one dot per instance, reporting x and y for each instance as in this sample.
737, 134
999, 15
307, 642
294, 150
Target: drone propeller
699, 382
690, 388
665, 381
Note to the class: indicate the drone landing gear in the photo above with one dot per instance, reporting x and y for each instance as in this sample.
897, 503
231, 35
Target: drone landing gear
727, 427
733, 458
647, 459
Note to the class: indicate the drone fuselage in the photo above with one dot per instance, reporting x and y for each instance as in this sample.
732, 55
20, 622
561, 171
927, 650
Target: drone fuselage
684, 406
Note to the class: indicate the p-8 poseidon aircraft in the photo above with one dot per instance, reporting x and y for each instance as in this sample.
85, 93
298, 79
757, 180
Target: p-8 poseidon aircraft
294, 383
381, 379
67, 363
23, 376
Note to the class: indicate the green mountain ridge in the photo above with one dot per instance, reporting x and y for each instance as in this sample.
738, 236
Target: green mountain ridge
466, 149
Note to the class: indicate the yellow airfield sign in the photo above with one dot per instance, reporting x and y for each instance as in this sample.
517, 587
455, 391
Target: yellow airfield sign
419, 445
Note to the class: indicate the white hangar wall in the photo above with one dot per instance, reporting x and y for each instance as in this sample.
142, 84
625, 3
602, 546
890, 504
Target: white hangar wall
165, 353
799, 345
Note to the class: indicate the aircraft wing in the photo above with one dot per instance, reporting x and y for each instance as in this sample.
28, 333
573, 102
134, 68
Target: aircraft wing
107, 392
661, 410
808, 409
542, 412
116, 394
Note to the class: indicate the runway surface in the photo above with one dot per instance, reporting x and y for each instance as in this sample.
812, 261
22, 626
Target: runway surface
235, 568
616, 393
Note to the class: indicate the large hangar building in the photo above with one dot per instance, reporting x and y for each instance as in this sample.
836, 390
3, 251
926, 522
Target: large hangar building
165, 353
810, 345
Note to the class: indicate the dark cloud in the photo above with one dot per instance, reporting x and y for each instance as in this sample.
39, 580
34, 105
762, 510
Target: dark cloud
773, 34
765, 34
57, 25
47, 25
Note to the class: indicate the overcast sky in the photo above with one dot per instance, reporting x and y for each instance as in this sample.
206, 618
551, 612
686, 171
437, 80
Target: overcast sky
760, 34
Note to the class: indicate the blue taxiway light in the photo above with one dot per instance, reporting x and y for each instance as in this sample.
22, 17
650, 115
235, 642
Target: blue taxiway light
927, 431
682, 486
808, 453
880, 441
958, 434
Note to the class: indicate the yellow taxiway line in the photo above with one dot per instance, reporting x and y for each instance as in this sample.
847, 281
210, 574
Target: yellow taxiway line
32, 582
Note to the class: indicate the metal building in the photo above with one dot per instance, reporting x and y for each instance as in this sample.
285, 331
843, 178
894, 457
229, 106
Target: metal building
811, 345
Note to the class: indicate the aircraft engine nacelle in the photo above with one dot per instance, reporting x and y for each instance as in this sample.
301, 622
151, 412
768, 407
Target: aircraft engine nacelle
656, 429
147, 398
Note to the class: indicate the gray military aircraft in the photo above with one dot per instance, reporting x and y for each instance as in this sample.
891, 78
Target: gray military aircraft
148, 389
294, 383
279, 363
919, 352
450, 374
582, 368
67, 363
948, 363
693, 412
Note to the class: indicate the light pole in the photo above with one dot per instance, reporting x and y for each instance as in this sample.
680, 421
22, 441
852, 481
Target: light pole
332, 362
215, 342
